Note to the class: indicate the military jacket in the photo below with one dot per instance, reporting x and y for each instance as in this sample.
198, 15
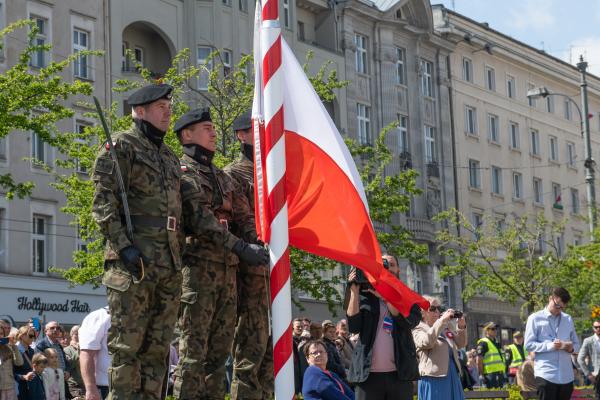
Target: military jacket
219, 195
152, 180
242, 172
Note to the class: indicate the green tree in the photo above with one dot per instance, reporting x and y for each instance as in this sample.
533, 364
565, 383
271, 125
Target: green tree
33, 99
516, 260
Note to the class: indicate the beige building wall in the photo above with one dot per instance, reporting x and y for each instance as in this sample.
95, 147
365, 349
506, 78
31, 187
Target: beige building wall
489, 89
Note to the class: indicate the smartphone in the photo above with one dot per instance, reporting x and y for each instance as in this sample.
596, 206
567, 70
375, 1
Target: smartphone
4, 340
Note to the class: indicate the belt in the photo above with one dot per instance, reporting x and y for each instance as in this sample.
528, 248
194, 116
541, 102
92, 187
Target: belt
169, 223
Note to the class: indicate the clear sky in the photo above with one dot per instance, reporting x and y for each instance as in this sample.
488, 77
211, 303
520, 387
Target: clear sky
563, 28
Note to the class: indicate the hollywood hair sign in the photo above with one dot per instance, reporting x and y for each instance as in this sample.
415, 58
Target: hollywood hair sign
36, 304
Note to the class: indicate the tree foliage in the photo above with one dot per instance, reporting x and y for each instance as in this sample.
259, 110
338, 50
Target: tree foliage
517, 260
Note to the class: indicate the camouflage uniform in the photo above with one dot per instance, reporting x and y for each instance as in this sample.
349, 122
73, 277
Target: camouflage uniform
142, 314
253, 346
208, 300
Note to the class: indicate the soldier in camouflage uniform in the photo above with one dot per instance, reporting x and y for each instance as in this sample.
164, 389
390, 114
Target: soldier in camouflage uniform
208, 309
143, 299
253, 346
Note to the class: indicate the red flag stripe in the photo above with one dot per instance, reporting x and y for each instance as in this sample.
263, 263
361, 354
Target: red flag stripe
279, 274
280, 350
274, 129
276, 199
272, 61
270, 10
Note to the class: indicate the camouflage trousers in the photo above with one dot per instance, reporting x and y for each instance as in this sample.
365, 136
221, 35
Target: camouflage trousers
253, 345
207, 323
142, 319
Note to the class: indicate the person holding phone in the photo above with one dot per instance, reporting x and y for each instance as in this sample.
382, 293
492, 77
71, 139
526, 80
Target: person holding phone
9, 357
437, 347
550, 334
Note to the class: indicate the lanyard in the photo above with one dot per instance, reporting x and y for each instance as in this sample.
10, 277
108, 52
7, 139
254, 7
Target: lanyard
336, 381
555, 329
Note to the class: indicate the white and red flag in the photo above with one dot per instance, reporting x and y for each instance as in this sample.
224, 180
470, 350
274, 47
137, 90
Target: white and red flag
309, 193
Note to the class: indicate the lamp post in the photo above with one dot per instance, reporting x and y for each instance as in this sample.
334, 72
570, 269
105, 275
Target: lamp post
585, 132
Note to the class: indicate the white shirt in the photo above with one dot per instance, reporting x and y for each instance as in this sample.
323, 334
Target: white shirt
93, 335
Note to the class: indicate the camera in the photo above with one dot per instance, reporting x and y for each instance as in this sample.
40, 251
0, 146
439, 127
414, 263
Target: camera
457, 314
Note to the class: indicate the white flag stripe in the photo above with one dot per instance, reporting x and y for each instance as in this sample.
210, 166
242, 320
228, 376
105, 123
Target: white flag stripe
273, 98
282, 307
305, 115
275, 164
279, 227
283, 390
268, 36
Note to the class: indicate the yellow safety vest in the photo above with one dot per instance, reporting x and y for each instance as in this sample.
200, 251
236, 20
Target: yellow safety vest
516, 359
492, 359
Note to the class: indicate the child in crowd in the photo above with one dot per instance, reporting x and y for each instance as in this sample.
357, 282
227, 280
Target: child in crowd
54, 378
35, 387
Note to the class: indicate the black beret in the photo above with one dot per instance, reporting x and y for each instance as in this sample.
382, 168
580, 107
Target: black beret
150, 93
243, 122
192, 117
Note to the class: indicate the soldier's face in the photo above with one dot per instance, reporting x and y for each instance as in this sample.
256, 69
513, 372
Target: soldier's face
245, 136
203, 134
157, 113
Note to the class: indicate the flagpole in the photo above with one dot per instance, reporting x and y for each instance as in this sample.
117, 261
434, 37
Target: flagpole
276, 204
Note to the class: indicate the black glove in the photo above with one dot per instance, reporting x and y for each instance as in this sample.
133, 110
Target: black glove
131, 257
251, 254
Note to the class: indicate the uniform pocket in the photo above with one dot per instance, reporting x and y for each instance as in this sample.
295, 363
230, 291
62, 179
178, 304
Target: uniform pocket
117, 280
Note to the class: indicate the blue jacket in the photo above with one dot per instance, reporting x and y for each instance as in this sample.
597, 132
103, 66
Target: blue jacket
319, 385
35, 389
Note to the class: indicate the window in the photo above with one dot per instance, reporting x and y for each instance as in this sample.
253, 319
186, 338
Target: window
301, 34
402, 133
511, 88
557, 197
568, 110
363, 116
430, 156
361, 53
243, 4
38, 58
550, 104
3, 148
571, 155
517, 185
38, 149
477, 223
80, 244
467, 66
490, 79
553, 148
470, 120
138, 55
124, 59
227, 60
227, 3
80, 43
538, 194
205, 64
560, 245
39, 238
474, 178
575, 201
530, 100
80, 128
493, 128
286, 14
535, 142
401, 66
427, 78
577, 240
496, 180
2, 25
513, 132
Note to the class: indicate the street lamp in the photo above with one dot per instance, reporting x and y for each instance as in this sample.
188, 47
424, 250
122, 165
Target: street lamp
585, 133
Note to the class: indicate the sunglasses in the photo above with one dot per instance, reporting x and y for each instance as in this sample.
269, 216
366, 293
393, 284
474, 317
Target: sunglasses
436, 308
596, 326
31, 336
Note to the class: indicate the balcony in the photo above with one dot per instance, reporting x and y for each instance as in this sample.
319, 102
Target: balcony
422, 229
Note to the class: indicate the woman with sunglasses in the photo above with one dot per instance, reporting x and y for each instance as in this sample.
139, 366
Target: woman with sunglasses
319, 383
437, 348
9, 357
25, 373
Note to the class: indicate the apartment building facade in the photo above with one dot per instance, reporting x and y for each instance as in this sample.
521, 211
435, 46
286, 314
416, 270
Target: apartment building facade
515, 155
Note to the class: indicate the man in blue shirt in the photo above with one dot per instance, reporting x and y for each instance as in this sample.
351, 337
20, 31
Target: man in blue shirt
550, 333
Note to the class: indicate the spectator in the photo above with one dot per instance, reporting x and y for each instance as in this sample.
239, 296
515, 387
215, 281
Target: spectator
93, 353
9, 357
514, 356
306, 323
334, 361
12, 336
64, 339
35, 324
550, 334
297, 329
53, 376
472, 366
314, 333
52, 340
35, 386
384, 362
320, 383
525, 375
346, 347
591, 349
75, 382
24, 373
437, 348
490, 359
